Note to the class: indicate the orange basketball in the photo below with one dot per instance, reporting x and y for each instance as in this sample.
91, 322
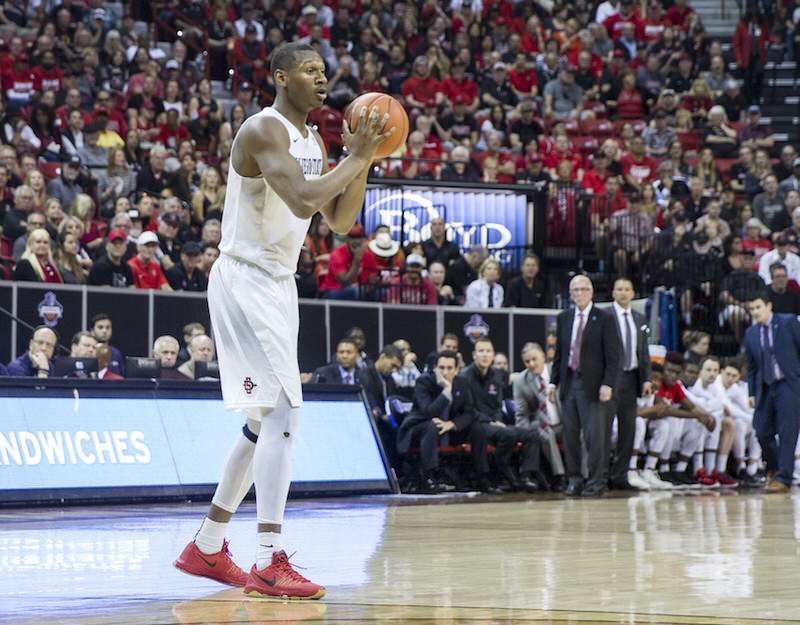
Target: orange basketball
385, 104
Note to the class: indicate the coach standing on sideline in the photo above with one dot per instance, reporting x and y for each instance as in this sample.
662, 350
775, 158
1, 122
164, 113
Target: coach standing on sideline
634, 381
585, 371
772, 345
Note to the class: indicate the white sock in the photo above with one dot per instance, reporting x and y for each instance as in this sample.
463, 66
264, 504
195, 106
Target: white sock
633, 465
663, 466
650, 463
680, 466
722, 463
268, 543
752, 468
710, 459
209, 538
740, 465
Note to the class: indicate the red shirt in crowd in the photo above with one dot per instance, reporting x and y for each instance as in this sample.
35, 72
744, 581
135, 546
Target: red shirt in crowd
630, 104
760, 247
23, 85
653, 29
421, 89
695, 104
466, 88
62, 113
641, 170
341, 260
523, 80
676, 16
400, 292
146, 276
48, 79
614, 24
171, 137
594, 182
423, 166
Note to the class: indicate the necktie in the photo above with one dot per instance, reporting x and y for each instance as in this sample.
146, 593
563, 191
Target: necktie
491, 296
767, 356
575, 361
348, 378
628, 347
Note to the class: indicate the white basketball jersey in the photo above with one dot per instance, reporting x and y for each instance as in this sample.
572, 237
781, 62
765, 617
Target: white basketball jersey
257, 225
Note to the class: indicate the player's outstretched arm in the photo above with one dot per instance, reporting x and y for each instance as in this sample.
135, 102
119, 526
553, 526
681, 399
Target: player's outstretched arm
267, 142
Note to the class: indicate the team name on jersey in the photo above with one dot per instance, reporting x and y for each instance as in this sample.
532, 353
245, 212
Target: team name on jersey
310, 166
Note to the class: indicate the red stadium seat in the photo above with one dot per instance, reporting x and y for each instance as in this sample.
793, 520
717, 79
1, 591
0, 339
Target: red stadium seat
601, 129
638, 125
724, 165
599, 109
570, 125
50, 170
586, 145
691, 141
6, 247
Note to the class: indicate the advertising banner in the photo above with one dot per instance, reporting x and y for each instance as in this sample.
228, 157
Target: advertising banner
494, 219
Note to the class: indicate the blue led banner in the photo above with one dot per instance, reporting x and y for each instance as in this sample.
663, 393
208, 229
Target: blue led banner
495, 219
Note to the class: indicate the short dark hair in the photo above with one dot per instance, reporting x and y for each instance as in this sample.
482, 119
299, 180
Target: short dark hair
76, 338
483, 339
709, 357
731, 361
775, 266
99, 317
448, 335
346, 340
675, 358
390, 351
285, 56
759, 295
447, 354
531, 254
623, 279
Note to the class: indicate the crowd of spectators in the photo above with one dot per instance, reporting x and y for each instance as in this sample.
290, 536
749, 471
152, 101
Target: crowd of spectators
115, 151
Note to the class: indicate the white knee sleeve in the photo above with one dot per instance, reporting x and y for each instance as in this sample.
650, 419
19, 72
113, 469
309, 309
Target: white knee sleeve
739, 437
659, 436
692, 438
639, 434
711, 439
272, 462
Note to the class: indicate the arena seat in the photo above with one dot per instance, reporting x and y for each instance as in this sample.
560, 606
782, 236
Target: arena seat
586, 145
50, 170
638, 125
601, 129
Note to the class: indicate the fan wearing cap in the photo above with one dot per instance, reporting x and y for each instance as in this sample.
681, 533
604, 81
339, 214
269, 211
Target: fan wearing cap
249, 56
387, 257
92, 156
496, 90
458, 88
420, 87
69, 184
411, 287
171, 133
563, 99
147, 273
111, 270
737, 288
534, 173
111, 132
249, 18
348, 267
169, 246
753, 134
187, 275
19, 82
459, 126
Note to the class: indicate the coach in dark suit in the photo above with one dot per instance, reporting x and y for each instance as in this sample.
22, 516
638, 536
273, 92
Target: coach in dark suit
443, 414
585, 371
772, 345
634, 380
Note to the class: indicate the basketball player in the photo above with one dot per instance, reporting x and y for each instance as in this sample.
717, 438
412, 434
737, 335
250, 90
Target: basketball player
278, 179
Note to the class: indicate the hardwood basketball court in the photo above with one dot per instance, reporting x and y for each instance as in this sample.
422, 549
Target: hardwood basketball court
713, 558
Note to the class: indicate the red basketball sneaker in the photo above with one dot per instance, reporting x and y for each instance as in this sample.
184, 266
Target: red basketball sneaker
279, 579
217, 566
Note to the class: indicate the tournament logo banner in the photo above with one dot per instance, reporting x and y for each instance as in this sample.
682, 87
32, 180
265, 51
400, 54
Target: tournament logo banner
494, 219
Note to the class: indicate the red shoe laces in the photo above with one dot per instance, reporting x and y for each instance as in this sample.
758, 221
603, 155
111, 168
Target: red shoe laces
283, 565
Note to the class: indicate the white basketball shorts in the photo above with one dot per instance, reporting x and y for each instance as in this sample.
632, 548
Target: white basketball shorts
255, 321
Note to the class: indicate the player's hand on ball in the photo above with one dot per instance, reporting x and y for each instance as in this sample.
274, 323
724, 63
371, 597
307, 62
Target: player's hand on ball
368, 135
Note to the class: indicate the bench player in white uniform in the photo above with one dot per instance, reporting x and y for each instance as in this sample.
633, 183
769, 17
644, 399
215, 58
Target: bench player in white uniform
745, 441
278, 179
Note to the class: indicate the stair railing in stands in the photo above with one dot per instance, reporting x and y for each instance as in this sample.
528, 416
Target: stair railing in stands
159, 23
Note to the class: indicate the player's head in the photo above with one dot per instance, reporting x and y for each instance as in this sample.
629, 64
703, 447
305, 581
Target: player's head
673, 367
709, 369
730, 373
299, 71
448, 342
